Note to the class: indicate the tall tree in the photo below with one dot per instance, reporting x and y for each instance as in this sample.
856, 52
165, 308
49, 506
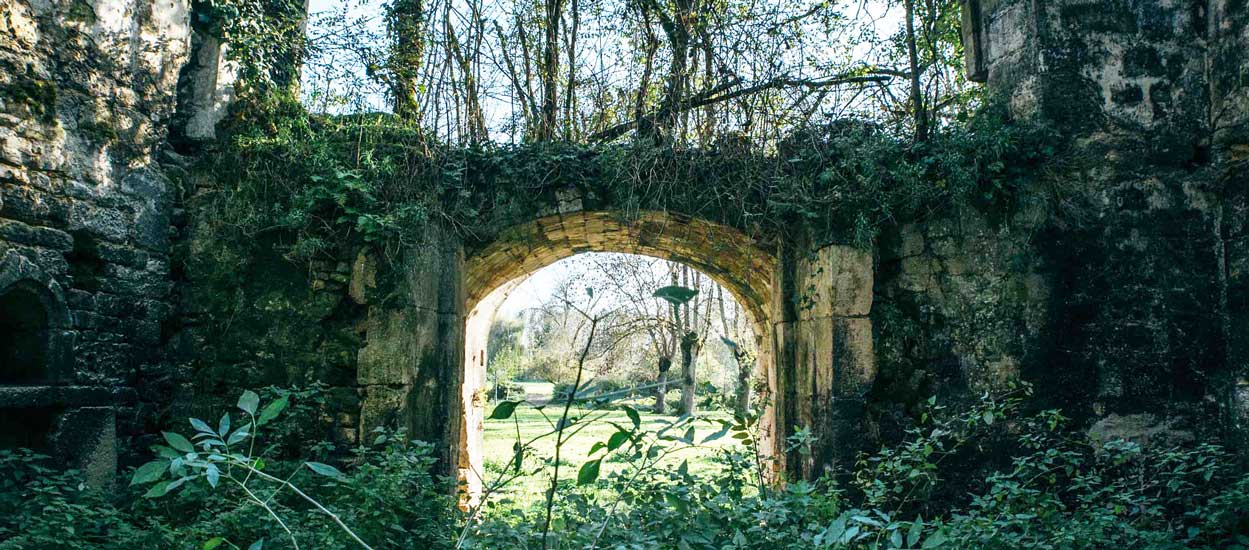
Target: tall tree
405, 23
554, 14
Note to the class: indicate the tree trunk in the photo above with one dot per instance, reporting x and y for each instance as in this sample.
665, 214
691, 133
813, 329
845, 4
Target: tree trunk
550, 71
745, 370
405, 20
917, 99
689, 382
661, 392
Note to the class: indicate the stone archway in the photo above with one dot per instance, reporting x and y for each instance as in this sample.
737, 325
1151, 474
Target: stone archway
743, 265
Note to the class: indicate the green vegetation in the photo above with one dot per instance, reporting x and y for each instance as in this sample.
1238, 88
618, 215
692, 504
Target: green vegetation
1055, 490
321, 181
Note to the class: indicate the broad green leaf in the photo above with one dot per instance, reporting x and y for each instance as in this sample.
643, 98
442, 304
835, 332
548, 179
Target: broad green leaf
249, 401
149, 472
895, 538
935, 540
595, 447
616, 440
716, 435
212, 543
634, 416
157, 490
223, 426
325, 469
675, 295
272, 410
176, 483
178, 442
238, 436
504, 410
213, 475
988, 417
258, 545
917, 530
588, 472
201, 426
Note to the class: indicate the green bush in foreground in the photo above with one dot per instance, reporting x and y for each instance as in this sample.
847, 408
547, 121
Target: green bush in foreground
937, 489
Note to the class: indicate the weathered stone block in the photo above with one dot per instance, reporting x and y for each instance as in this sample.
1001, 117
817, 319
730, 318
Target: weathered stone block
20, 233
835, 281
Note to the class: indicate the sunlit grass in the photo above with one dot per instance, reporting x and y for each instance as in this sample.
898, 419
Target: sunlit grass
530, 422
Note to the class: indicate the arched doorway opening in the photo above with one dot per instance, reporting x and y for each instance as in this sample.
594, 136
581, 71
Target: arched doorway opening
24, 335
740, 264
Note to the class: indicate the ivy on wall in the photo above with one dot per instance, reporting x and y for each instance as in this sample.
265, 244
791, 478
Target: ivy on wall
327, 180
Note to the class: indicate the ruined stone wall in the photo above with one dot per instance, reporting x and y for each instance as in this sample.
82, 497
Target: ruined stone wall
86, 213
376, 336
1117, 286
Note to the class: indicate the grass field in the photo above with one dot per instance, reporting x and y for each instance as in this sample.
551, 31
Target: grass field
501, 435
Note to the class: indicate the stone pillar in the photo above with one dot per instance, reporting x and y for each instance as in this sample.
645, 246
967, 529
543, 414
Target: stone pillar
825, 357
412, 363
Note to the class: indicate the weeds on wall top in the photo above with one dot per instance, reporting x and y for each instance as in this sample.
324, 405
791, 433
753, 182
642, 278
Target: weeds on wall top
324, 181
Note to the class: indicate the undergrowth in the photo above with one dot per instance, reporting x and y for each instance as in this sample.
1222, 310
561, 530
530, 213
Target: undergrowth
1055, 489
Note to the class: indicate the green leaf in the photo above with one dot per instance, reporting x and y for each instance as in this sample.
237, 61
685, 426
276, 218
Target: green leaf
178, 442
201, 426
213, 475
616, 440
325, 469
917, 530
895, 539
212, 543
588, 472
716, 435
258, 545
935, 540
273, 409
157, 490
249, 401
238, 436
149, 472
987, 417
504, 410
675, 295
223, 427
634, 416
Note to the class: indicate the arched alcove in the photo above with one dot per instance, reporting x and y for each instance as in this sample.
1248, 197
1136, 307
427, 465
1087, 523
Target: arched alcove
34, 338
742, 265
24, 338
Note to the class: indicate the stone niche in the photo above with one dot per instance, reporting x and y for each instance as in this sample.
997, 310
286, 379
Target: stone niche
39, 408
